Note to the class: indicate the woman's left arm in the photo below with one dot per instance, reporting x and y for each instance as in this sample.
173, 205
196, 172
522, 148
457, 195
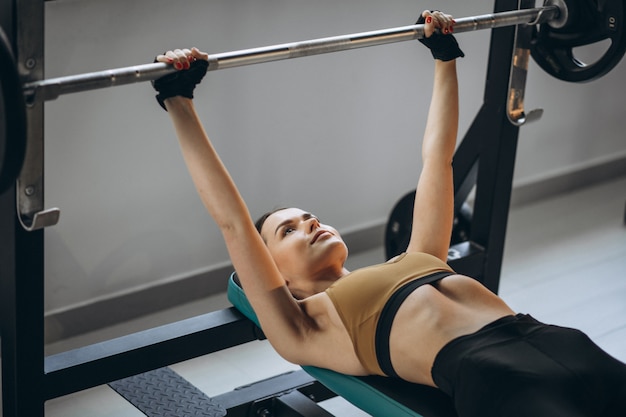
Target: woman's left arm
433, 213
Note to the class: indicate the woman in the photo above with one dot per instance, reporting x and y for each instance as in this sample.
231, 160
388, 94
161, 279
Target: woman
453, 334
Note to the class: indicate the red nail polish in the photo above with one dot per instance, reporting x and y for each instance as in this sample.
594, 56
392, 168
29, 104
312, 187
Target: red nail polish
186, 65
178, 66
429, 19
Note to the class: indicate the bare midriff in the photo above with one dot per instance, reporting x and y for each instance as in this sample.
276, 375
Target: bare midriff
429, 318
434, 315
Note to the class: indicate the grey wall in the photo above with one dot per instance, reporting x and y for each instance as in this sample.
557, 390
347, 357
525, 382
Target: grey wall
337, 134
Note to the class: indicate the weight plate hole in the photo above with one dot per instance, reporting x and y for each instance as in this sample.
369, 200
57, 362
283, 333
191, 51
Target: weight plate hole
589, 54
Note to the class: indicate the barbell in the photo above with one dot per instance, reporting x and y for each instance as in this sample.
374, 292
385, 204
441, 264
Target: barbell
559, 27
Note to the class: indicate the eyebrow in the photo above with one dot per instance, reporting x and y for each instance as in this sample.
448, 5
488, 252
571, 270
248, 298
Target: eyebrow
305, 216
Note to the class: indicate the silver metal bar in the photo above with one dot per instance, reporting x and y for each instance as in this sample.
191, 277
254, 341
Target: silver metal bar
519, 69
51, 89
30, 64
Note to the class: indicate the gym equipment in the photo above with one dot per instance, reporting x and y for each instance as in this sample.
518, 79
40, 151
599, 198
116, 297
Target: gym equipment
13, 124
53, 88
398, 228
553, 18
483, 162
588, 22
162, 392
556, 20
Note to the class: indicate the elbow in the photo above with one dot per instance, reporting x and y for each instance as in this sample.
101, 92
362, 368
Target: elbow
235, 225
441, 154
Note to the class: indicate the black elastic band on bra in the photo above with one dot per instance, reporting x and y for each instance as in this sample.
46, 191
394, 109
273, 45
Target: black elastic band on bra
383, 328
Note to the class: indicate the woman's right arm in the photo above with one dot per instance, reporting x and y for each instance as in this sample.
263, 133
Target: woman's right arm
281, 316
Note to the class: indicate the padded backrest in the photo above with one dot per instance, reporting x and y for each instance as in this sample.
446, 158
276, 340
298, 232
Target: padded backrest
376, 395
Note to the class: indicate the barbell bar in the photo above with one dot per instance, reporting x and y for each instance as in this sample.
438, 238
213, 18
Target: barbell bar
50, 89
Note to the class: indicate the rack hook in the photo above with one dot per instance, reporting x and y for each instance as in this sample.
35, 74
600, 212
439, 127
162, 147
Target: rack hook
517, 80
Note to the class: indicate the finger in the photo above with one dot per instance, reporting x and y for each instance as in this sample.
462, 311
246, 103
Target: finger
180, 59
448, 23
188, 58
438, 20
442, 29
429, 24
164, 58
173, 59
444, 22
197, 54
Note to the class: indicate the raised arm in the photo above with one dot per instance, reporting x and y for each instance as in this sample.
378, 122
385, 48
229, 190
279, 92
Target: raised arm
434, 199
282, 319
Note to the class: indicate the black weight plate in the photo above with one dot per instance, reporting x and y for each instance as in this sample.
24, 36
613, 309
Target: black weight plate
398, 228
588, 22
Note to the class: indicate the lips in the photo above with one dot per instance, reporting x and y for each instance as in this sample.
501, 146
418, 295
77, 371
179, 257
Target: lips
318, 234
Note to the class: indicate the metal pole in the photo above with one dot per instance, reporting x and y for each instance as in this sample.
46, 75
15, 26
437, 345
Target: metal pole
52, 88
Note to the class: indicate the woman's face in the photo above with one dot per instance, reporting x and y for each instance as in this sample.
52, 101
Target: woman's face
302, 246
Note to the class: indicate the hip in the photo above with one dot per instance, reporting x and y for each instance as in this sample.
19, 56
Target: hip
516, 358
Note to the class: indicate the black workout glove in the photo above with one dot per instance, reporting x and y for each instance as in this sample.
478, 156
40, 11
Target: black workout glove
443, 47
180, 83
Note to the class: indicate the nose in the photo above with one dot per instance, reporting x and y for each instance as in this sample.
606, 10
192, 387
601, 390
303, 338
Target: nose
313, 224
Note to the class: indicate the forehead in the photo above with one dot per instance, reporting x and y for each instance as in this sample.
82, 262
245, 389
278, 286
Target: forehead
285, 214
280, 216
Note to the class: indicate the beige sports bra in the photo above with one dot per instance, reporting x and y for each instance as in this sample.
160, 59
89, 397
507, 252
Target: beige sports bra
360, 297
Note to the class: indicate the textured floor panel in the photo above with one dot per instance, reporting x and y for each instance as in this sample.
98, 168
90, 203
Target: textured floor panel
164, 393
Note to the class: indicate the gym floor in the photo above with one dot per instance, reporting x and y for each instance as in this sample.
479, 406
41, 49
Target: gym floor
564, 263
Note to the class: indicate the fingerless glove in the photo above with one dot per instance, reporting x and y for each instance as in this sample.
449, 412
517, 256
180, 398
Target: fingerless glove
443, 47
180, 83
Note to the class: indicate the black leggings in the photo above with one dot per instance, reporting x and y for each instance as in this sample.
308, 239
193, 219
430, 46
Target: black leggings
519, 367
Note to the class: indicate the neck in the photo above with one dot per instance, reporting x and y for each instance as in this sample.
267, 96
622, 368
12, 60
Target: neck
315, 285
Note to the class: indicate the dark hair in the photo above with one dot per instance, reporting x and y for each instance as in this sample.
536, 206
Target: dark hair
261, 220
259, 225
